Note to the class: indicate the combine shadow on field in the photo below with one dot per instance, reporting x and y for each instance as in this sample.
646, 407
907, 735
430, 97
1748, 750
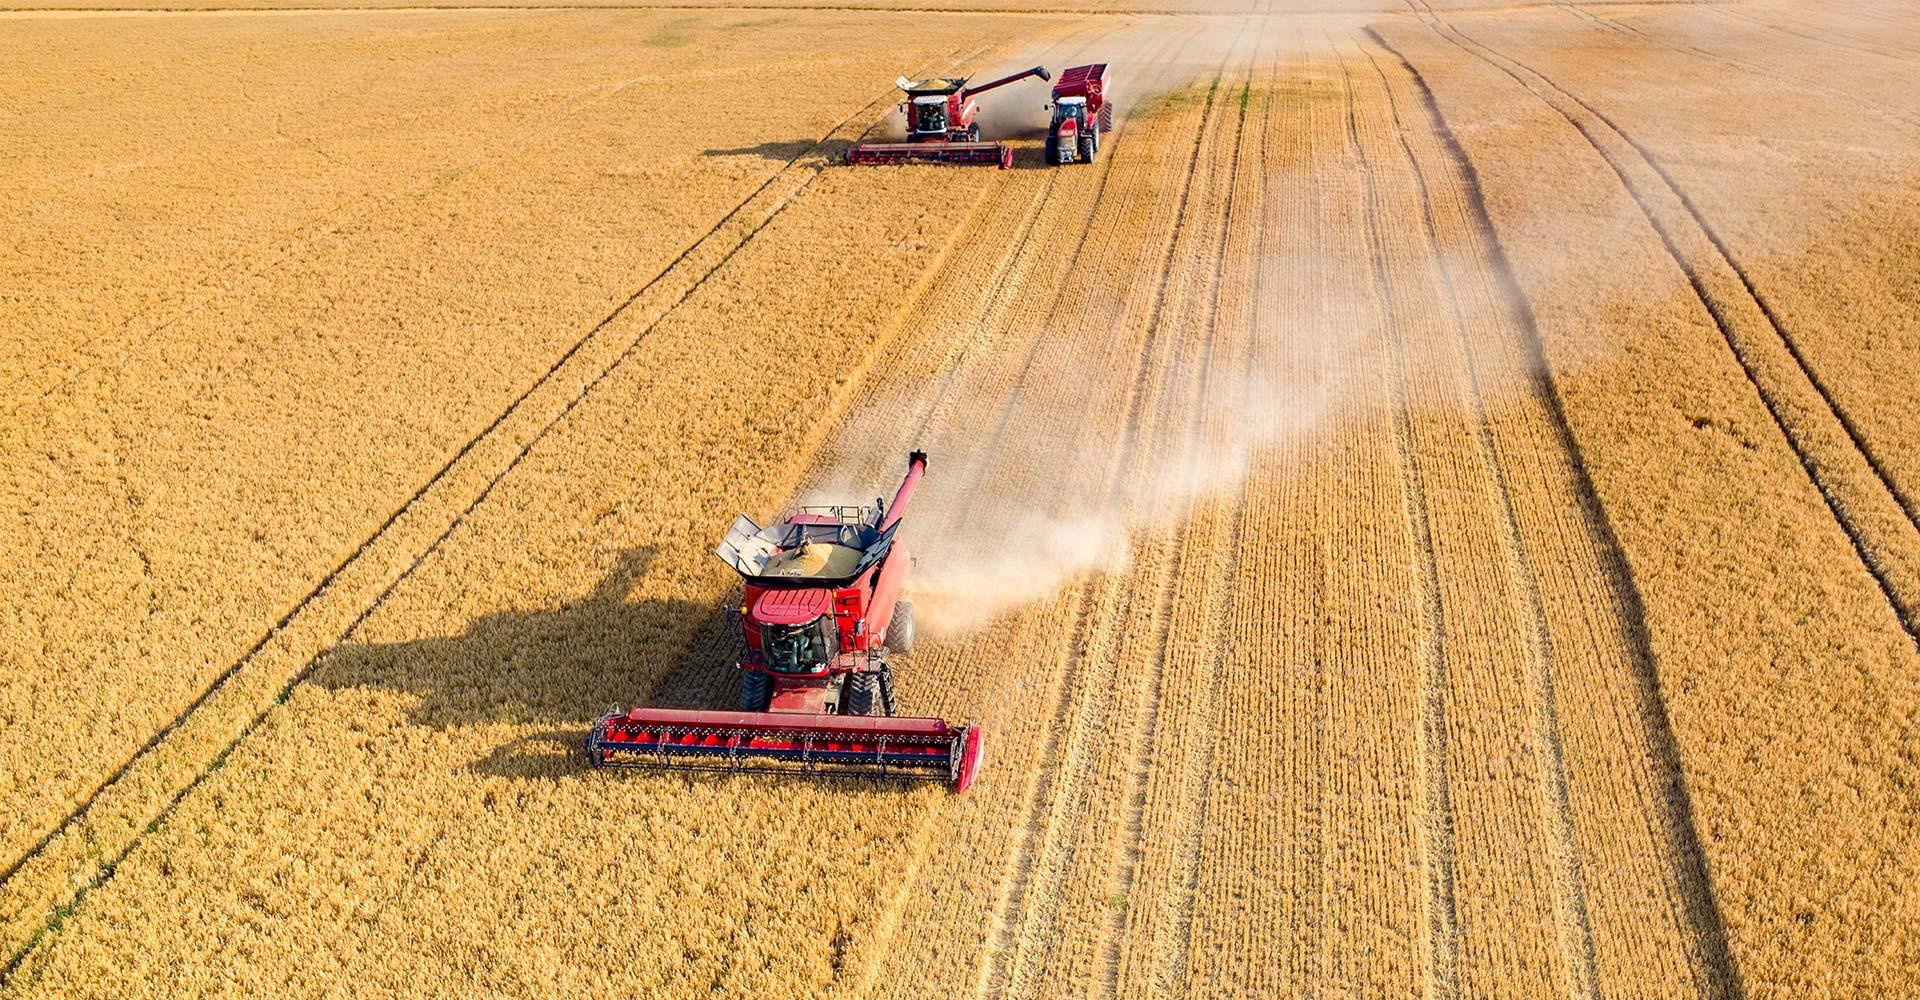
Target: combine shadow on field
787, 151
559, 668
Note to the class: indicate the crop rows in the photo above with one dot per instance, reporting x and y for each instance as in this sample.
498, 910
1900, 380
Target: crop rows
177, 538
108, 826
1363, 594
1737, 433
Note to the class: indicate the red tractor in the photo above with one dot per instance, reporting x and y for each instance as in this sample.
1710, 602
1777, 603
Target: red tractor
941, 126
1081, 112
820, 615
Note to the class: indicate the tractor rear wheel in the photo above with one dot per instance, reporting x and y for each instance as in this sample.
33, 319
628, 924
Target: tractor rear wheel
900, 629
756, 691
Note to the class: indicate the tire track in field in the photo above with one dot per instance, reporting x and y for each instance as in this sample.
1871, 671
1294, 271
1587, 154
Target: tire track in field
1882, 524
1040, 830
1771, 74
1437, 834
719, 643
927, 410
1687, 856
1317, 883
1172, 971
1199, 775
1822, 37
276, 246
1576, 925
554, 376
992, 315
330, 576
991, 319
1166, 51
996, 325
1133, 819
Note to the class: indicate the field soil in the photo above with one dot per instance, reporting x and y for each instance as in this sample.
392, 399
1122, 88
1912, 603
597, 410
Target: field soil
1430, 511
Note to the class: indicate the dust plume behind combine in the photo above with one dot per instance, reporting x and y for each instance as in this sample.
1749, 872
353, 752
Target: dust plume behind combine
993, 538
1019, 502
1016, 504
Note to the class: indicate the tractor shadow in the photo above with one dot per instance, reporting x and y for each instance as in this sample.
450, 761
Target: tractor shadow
557, 669
788, 150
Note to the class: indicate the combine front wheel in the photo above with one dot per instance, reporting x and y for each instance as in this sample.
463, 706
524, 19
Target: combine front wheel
756, 690
866, 694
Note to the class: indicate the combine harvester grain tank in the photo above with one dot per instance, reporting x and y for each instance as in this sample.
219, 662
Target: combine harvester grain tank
821, 613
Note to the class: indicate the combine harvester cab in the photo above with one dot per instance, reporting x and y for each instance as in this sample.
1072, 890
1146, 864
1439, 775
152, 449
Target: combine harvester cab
941, 125
820, 614
1082, 112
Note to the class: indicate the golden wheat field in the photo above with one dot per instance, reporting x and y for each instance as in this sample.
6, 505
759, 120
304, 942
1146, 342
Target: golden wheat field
1432, 510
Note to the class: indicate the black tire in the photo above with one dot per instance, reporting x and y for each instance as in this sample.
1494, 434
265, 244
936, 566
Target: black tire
1088, 147
756, 691
1052, 152
900, 629
1096, 139
863, 694
973, 132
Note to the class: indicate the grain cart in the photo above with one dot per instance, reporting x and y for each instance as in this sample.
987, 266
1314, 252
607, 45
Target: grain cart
1081, 112
820, 615
941, 126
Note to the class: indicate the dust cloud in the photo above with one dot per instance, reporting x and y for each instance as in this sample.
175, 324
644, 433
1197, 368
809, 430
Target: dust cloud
1025, 491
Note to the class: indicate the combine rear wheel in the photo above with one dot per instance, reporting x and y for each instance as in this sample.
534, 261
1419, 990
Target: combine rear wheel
900, 629
756, 690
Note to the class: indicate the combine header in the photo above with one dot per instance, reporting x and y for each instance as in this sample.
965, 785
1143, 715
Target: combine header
820, 613
941, 126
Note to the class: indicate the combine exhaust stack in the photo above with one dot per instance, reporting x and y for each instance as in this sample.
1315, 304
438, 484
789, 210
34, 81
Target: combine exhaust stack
821, 618
941, 124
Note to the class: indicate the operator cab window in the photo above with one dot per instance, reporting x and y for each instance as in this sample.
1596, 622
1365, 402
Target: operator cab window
930, 114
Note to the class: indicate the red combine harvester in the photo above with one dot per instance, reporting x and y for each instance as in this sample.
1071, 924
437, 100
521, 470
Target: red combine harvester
940, 124
821, 612
1081, 112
